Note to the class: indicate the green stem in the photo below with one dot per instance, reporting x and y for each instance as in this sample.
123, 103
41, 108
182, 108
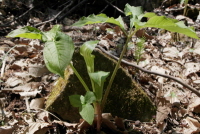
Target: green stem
79, 77
115, 70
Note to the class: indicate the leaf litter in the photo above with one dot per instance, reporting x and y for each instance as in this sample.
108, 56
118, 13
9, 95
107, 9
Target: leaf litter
27, 82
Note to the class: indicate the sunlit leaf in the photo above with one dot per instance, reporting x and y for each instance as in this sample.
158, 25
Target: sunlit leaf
58, 53
135, 13
100, 18
169, 24
50, 35
86, 50
92, 19
26, 32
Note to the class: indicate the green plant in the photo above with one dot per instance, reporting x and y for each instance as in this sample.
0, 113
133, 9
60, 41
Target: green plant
139, 49
59, 48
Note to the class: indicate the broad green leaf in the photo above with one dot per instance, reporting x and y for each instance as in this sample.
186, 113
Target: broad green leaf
119, 22
135, 14
26, 32
98, 78
50, 35
168, 24
75, 100
119, 19
100, 18
58, 53
89, 97
87, 113
132, 11
86, 50
91, 19
149, 15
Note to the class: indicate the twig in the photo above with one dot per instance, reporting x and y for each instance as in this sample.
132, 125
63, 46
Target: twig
52, 19
114, 7
4, 60
152, 72
3, 68
15, 19
72, 9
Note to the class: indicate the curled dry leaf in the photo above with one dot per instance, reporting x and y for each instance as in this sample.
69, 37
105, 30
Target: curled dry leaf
37, 103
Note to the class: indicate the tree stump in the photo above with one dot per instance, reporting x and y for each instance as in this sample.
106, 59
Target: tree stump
126, 98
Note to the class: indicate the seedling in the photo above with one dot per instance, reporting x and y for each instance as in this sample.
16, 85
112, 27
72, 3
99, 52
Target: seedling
59, 49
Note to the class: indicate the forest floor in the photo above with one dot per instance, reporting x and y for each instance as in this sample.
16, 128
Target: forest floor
26, 82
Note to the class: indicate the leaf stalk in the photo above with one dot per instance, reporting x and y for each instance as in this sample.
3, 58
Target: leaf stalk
79, 77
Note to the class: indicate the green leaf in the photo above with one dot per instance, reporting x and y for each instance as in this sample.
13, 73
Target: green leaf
135, 13
50, 35
89, 97
91, 19
82, 98
149, 15
99, 78
100, 18
26, 32
119, 19
75, 100
169, 24
119, 22
87, 113
86, 50
58, 53
132, 11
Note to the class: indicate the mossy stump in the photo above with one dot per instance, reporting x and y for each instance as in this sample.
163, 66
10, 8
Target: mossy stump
126, 98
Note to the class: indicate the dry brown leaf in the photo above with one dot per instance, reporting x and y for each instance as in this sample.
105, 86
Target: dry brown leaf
142, 34
37, 103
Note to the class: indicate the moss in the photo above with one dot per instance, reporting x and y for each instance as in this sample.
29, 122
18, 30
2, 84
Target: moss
126, 98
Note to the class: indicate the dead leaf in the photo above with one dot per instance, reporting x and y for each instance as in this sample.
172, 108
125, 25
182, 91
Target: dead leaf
37, 103
142, 34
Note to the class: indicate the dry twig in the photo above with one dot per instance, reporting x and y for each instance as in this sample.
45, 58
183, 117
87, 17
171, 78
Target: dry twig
152, 72
52, 19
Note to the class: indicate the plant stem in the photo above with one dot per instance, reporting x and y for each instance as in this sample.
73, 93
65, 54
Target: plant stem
115, 70
98, 113
79, 77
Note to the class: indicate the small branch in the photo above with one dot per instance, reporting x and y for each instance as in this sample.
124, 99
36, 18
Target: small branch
52, 19
72, 9
114, 73
114, 7
15, 19
152, 72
